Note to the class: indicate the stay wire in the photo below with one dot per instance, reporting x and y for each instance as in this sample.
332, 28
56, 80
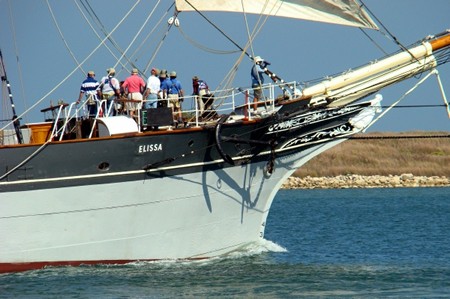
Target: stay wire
16, 50
251, 36
94, 31
88, 8
218, 29
374, 42
393, 37
138, 34
108, 36
70, 74
159, 45
203, 47
233, 70
63, 38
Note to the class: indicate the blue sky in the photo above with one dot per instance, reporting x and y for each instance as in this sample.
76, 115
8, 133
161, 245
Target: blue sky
37, 59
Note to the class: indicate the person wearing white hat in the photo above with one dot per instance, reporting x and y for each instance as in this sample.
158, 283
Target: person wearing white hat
257, 80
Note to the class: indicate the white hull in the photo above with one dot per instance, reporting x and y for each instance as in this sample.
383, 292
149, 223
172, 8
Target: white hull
193, 216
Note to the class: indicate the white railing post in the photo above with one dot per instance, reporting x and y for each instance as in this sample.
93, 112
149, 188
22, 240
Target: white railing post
196, 111
99, 107
68, 118
55, 123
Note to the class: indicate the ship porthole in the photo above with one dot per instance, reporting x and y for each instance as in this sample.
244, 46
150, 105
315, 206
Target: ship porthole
104, 166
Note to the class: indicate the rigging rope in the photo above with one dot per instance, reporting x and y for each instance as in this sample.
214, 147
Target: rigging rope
87, 7
137, 34
63, 38
217, 28
256, 28
150, 61
373, 41
399, 100
19, 66
203, 47
71, 73
388, 32
228, 79
160, 42
108, 36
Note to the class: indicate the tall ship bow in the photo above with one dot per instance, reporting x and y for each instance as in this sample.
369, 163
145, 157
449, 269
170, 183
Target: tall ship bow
121, 185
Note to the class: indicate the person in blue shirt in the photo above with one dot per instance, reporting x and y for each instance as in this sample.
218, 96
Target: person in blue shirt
165, 81
256, 74
175, 93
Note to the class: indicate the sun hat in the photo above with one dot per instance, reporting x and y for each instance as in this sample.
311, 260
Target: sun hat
257, 59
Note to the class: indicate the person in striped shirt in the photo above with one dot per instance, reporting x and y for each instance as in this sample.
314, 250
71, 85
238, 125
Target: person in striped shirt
90, 89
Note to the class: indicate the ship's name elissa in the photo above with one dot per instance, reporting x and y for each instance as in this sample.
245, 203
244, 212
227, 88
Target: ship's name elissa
147, 148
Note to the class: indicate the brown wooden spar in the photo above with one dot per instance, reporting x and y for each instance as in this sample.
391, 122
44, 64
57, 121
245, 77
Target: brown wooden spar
441, 42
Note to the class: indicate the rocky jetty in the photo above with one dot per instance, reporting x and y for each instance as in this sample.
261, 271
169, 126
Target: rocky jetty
361, 181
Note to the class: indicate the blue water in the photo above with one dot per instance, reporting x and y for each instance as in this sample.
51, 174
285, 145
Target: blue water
320, 243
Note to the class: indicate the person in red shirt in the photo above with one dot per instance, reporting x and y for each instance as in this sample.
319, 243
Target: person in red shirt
134, 86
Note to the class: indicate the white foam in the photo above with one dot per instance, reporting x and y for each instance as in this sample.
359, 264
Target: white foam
251, 249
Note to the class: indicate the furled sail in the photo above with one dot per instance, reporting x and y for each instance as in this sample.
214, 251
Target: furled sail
343, 12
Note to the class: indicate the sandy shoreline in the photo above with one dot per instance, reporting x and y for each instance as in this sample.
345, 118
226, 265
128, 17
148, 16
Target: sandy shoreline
361, 181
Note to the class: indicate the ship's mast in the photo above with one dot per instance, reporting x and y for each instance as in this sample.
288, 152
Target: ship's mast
15, 120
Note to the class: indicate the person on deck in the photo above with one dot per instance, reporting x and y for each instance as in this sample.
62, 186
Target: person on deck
152, 91
175, 95
256, 74
165, 83
199, 89
134, 87
110, 91
90, 88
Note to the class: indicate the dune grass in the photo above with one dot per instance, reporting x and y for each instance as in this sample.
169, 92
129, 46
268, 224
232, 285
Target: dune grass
419, 156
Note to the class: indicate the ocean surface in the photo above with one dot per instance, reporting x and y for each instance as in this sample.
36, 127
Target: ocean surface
351, 243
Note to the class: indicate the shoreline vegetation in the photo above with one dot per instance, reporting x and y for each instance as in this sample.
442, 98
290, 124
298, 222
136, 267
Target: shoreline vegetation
379, 160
